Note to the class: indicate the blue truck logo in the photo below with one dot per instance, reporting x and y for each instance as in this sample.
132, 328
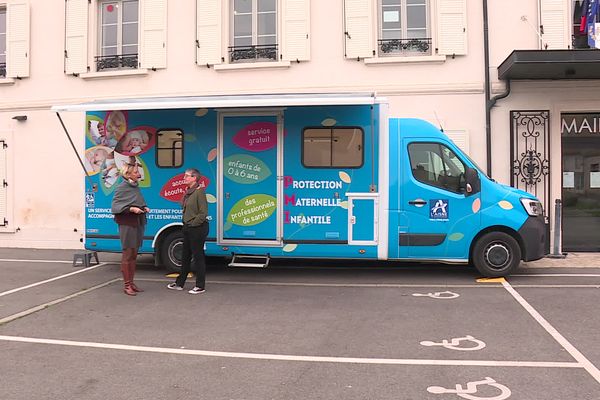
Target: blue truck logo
438, 209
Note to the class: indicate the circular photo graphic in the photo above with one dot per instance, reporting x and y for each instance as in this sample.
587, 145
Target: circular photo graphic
95, 158
136, 141
116, 124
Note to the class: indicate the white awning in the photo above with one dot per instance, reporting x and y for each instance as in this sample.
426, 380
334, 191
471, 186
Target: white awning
237, 101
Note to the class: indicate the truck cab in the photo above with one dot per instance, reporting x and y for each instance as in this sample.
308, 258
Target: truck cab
446, 209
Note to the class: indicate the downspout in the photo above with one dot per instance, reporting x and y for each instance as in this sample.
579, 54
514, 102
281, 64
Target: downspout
489, 102
488, 108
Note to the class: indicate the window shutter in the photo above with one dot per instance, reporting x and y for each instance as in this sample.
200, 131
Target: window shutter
460, 138
452, 27
209, 19
76, 36
296, 28
3, 184
554, 22
17, 39
358, 28
154, 34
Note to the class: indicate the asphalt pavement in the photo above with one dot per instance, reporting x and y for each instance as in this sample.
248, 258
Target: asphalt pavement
335, 330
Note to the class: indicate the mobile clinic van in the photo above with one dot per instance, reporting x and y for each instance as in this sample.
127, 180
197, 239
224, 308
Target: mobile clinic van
304, 176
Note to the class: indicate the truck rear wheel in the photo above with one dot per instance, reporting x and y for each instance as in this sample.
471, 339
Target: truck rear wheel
496, 254
171, 251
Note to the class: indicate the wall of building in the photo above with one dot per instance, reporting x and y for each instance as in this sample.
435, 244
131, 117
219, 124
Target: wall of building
47, 190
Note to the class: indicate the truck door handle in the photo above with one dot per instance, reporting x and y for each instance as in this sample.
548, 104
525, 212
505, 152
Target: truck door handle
417, 202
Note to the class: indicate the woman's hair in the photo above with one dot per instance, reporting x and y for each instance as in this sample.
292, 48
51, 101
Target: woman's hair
195, 173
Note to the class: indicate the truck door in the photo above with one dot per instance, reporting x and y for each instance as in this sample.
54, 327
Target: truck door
250, 184
441, 219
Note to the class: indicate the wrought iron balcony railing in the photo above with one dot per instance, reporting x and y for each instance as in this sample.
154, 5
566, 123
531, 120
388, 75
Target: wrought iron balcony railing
394, 46
258, 52
116, 62
2, 70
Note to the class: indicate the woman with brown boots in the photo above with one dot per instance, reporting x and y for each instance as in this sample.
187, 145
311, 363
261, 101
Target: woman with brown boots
129, 208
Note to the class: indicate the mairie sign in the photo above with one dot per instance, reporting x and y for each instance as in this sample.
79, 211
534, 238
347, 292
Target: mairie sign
580, 124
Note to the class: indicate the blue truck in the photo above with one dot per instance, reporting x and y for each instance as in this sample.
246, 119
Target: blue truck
328, 176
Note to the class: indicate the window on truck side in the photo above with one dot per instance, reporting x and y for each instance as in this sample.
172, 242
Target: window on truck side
169, 148
340, 147
437, 165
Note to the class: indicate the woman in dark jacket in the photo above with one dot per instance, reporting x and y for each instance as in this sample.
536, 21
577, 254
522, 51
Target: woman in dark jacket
129, 208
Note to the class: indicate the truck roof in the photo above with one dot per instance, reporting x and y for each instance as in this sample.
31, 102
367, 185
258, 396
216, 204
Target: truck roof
237, 101
414, 127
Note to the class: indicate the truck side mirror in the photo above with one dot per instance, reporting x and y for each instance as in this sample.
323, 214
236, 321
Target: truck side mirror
472, 182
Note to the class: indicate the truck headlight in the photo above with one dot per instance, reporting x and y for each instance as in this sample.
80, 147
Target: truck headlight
533, 207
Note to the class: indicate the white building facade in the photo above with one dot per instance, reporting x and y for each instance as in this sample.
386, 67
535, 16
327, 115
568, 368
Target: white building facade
428, 57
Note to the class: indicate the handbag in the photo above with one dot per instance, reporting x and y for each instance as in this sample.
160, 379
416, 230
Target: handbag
127, 218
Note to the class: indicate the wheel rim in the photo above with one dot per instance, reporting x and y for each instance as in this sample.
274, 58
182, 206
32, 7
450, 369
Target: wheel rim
175, 252
497, 255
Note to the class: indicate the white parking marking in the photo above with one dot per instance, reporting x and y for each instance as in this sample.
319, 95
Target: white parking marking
284, 357
454, 344
53, 302
447, 295
586, 364
39, 261
370, 285
560, 275
51, 279
471, 389
309, 284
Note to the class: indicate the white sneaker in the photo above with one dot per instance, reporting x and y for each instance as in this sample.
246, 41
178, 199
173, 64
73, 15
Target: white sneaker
196, 290
173, 286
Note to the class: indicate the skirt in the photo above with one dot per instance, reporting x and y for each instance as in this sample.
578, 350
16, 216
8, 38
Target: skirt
131, 236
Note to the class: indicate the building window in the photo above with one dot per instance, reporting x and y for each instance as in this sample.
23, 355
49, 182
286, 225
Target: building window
117, 35
332, 147
585, 16
2, 42
253, 30
169, 148
404, 27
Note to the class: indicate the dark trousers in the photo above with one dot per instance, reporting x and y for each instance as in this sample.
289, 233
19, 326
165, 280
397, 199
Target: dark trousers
193, 245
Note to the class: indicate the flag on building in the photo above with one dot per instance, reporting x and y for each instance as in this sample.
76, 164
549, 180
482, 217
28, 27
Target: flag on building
592, 12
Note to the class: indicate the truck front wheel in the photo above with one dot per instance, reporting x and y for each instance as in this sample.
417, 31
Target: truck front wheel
496, 254
171, 249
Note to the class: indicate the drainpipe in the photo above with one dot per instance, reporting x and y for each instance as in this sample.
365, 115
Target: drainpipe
488, 108
489, 102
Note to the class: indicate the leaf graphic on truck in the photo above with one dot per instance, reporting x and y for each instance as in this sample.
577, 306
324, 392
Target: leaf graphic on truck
252, 210
245, 169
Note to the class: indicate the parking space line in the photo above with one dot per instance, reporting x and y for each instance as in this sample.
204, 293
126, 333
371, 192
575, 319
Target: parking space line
576, 354
284, 357
51, 279
32, 310
592, 286
40, 261
559, 275
307, 284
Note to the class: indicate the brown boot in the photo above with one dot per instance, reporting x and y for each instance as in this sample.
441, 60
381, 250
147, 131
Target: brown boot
132, 274
127, 289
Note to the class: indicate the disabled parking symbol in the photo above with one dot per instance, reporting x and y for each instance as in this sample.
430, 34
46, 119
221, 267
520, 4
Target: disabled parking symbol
457, 343
470, 391
447, 295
